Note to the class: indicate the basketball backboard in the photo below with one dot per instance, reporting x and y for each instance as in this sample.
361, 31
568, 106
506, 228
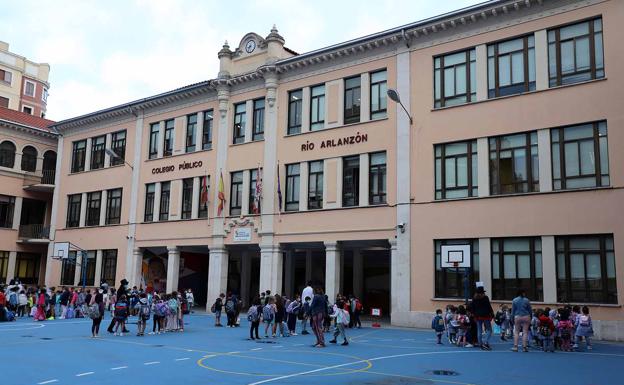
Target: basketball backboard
61, 250
455, 256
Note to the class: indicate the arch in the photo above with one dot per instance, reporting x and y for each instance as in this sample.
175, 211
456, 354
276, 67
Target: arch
29, 158
7, 154
49, 160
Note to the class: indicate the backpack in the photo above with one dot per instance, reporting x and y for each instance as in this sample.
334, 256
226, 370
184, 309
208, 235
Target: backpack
293, 308
81, 299
13, 299
252, 314
498, 318
213, 308
358, 305
10, 316
145, 312
173, 306
267, 313
544, 330
93, 311
229, 306
70, 313
346, 318
121, 311
161, 309
584, 320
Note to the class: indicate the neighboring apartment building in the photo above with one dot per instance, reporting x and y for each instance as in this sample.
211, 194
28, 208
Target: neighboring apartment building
23, 84
516, 109
27, 167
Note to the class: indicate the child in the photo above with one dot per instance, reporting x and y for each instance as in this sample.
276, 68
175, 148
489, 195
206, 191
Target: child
121, 314
437, 324
159, 314
584, 329
292, 312
253, 316
546, 331
216, 309
268, 314
172, 315
305, 314
143, 312
534, 329
502, 320
22, 303
463, 323
565, 328
342, 320
451, 324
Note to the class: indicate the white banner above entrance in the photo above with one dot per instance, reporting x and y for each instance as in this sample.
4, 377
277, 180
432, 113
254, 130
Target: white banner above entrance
242, 234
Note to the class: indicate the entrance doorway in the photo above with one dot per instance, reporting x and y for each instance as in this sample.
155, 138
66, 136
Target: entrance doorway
244, 272
194, 263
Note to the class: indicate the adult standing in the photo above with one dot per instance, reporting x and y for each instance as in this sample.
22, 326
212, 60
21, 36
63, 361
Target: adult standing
318, 308
98, 300
483, 315
521, 314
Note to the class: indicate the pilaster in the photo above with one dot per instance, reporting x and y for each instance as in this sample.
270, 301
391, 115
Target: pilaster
333, 258
217, 274
173, 268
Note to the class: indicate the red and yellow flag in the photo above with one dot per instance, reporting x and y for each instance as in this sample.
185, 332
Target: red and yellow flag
221, 195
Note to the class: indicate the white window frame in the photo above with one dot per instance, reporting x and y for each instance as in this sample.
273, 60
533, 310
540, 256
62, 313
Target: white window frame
44, 95
29, 106
34, 88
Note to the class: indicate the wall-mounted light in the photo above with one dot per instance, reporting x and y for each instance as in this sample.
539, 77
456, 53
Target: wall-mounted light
114, 155
394, 96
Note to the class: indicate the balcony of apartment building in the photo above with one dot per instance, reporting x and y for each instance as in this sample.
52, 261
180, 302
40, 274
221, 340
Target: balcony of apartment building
33, 227
41, 180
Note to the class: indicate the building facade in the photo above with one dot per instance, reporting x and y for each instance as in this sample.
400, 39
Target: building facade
23, 83
507, 144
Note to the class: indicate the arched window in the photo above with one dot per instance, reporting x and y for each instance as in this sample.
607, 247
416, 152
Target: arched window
29, 159
7, 154
49, 167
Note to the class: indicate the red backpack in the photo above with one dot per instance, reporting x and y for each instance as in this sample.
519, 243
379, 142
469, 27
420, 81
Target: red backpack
358, 305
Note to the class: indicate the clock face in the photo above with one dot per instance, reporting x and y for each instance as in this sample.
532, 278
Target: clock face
250, 46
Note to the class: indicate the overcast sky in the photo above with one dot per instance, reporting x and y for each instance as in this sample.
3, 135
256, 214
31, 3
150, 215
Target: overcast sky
104, 53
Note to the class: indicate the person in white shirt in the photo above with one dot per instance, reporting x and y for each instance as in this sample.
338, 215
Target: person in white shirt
308, 292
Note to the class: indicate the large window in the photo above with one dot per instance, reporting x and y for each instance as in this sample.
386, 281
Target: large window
586, 269
109, 266
187, 198
89, 259
150, 196
153, 143
207, 130
29, 88
79, 149
68, 269
113, 206
94, 200
254, 207
517, 264
7, 206
236, 193
449, 282
6, 76
511, 67
118, 145
351, 181
456, 170
73, 210
514, 166
7, 154
165, 195
455, 78
377, 179
352, 99
258, 120
29, 159
240, 120
317, 107
580, 156
575, 53
169, 136
191, 127
27, 267
378, 90
315, 185
204, 187
98, 144
294, 111
292, 187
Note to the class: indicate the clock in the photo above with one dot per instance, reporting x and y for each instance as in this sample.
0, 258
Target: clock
250, 46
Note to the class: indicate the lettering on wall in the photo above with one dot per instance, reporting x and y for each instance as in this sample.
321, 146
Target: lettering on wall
329, 143
181, 166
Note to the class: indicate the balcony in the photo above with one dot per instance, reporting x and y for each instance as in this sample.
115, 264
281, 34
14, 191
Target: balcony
43, 183
34, 233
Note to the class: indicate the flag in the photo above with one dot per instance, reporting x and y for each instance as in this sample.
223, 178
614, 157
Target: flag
221, 195
257, 192
203, 197
279, 190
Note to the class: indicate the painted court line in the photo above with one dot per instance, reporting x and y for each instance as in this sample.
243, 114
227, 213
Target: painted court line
151, 363
119, 367
46, 382
182, 359
84, 374
260, 348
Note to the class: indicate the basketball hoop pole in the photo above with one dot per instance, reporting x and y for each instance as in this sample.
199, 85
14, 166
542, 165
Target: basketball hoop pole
466, 284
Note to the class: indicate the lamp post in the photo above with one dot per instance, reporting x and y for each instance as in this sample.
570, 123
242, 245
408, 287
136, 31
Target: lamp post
114, 155
394, 96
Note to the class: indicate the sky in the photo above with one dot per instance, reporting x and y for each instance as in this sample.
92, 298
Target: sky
105, 53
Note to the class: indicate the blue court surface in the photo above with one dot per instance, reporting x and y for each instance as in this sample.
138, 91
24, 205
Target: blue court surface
61, 352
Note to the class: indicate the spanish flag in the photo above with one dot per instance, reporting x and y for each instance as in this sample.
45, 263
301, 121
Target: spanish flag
221, 195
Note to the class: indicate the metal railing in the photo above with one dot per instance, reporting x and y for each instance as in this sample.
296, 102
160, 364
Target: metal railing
34, 231
48, 176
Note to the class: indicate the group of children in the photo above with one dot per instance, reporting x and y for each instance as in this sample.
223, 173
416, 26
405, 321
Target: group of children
563, 329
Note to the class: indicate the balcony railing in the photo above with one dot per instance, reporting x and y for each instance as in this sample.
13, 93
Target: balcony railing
48, 176
34, 231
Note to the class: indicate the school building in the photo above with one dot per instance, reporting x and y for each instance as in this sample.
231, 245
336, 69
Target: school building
293, 166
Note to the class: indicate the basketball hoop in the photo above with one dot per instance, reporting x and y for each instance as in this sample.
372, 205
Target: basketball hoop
455, 264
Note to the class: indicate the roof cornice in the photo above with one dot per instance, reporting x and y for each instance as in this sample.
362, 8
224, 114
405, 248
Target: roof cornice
27, 129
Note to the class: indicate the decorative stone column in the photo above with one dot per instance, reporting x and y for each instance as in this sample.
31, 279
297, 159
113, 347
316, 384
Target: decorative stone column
271, 260
217, 274
332, 269
173, 268
137, 267
11, 266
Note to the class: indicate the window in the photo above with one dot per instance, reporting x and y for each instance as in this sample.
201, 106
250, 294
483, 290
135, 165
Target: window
377, 179
27, 110
191, 127
150, 195
153, 143
73, 210
169, 135
258, 119
204, 186
351, 181
118, 145
378, 89
517, 264
575, 53
292, 187
295, 104
236, 193
165, 195
89, 259
97, 152
315, 185
187, 198
27, 267
207, 131
109, 266
4, 265
79, 149
68, 269
317, 108
4, 102
253, 178
93, 208
352, 100
7, 154
44, 95
240, 117
511, 67
29, 159
455, 78
449, 282
6, 76
580, 156
456, 170
113, 206
29, 88
514, 164
586, 269
7, 205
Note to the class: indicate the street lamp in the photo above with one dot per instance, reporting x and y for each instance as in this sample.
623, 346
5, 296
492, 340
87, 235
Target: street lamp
394, 96
114, 155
